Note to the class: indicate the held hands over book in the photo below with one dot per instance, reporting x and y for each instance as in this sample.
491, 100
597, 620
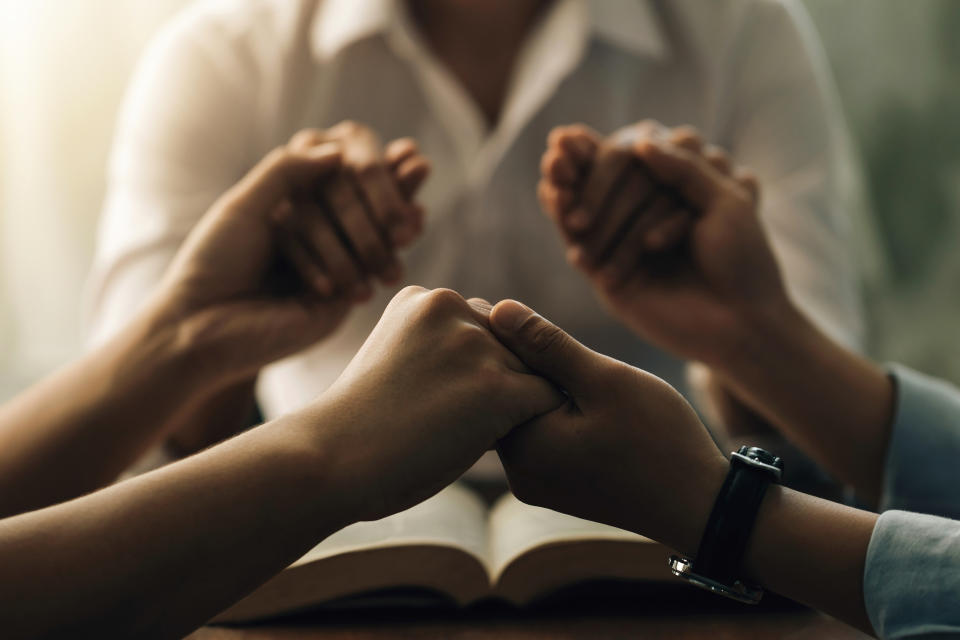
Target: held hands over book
429, 392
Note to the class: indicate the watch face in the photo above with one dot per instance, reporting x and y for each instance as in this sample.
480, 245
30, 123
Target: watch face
761, 455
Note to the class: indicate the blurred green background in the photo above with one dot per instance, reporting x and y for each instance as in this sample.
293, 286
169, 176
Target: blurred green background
64, 65
897, 67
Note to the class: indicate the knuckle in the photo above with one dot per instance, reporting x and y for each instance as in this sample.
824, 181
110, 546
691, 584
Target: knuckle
444, 301
410, 291
614, 155
366, 170
278, 156
306, 137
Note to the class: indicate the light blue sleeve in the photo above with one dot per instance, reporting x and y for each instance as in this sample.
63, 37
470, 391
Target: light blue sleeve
911, 582
922, 470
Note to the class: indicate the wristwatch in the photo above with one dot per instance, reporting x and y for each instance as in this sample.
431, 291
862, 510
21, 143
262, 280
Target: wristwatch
716, 566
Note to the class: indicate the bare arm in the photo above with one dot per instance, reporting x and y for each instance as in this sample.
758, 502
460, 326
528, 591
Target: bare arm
158, 555
835, 404
76, 431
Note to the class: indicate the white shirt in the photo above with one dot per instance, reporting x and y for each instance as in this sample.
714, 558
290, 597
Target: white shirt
227, 81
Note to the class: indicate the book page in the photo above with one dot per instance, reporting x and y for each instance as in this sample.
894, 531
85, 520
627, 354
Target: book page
439, 545
515, 528
455, 517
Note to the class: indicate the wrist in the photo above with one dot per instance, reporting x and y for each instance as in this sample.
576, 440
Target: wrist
307, 458
681, 519
185, 341
767, 337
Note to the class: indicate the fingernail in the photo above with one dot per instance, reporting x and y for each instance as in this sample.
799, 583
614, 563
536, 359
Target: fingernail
511, 315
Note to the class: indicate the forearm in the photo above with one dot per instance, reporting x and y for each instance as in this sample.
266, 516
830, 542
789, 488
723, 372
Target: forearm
171, 548
77, 430
219, 415
830, 401
812, 551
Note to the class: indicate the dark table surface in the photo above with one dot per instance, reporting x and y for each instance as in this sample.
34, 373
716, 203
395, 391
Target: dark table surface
586, 611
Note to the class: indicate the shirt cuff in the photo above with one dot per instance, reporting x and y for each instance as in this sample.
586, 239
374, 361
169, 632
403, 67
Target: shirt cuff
912, 576
922, 472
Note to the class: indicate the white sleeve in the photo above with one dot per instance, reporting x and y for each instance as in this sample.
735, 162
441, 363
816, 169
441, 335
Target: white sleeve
778, 115
183, 137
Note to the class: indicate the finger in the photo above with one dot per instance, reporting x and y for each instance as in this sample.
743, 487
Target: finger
578, 140
556, 201
610, 164
629, 201
542, 346
686, 137
689, 174
283, 173
365, 239
480, 309
558, 167
310, 271
669, 232
307, 138
381, 195
748, 180
412, 226
530, 396
306, 266
411, 174
628, 254
400, 150
625, 256
718, 159
327, 245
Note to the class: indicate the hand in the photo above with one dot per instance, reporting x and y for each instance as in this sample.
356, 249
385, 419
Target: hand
428, 393
225, 298
625, 449
595, 190
360, 215
690, 268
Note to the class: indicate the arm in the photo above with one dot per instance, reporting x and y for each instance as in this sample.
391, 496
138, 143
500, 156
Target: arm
780, 118
171, 548
91, 419
191, 125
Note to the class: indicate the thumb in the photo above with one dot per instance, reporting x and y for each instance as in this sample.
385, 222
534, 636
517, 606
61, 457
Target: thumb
544, 347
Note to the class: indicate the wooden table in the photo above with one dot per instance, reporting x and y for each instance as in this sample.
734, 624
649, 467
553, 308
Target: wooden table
594, 611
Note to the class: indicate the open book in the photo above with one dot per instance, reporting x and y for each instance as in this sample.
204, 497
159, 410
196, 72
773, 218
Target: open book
454, 545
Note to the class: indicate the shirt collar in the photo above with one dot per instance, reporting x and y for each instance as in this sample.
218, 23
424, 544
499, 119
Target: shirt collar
632, 25
340, 23
629, 24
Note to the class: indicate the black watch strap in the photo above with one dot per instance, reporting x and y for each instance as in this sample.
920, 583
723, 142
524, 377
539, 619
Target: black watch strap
734, 513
